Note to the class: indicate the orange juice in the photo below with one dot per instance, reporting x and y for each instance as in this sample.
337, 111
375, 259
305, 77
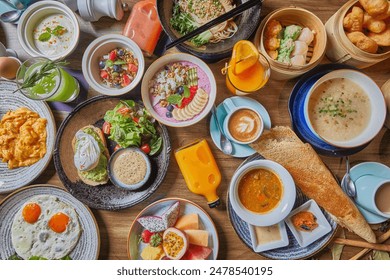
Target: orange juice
143, 26
200, 171
248, 70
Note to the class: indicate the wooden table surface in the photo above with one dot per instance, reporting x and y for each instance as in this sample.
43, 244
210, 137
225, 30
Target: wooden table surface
114, 226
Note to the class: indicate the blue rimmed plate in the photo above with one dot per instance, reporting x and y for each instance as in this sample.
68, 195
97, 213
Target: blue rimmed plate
293, 250
296, 110
239, 150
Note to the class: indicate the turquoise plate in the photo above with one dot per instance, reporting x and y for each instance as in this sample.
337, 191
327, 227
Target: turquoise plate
239, 150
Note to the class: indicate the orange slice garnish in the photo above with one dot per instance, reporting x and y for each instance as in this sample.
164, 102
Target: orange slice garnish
244, 56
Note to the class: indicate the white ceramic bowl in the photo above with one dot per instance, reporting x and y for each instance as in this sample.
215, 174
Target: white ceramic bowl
120, 184
377, 101
282, 209
158, 65
33, 15
102, 46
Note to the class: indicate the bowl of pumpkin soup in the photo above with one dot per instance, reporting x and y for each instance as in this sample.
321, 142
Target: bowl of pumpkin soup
262, 192
345, 108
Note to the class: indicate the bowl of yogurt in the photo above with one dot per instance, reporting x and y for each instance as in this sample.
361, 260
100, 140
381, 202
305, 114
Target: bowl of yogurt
48, 29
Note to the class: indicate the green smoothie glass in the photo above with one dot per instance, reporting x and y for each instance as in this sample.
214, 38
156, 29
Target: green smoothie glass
42, 79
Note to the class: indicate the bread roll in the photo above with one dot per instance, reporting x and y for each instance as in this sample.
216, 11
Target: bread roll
280, 144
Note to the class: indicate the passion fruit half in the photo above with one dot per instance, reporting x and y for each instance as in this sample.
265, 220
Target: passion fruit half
175, 243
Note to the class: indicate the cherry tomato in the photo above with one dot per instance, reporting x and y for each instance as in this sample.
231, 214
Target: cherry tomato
117, 147
112, 55
132, 67
106, 128
123, 111
103, 74
145, 148
136, 119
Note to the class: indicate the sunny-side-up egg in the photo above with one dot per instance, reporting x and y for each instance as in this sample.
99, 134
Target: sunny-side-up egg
45, 227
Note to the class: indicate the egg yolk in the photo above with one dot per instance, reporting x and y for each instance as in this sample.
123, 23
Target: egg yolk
31, 212
58, 222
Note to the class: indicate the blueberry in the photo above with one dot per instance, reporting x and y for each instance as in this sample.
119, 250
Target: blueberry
169, 114
117, 68
180, 90
170, 107
121, 52
118, 85
102, 64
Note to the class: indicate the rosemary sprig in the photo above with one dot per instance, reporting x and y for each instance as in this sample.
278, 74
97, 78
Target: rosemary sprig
44, 71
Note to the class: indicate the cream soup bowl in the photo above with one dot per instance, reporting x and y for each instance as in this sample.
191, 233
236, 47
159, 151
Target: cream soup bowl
280, 211
377, 107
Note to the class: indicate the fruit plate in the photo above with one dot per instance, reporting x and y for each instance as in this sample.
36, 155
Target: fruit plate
13, 179
107, 196
134, 247
293, 250
87, 247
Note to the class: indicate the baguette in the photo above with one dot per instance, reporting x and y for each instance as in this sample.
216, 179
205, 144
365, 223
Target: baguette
105, 152
281, 144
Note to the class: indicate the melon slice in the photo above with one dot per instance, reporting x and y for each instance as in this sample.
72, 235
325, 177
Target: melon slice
198, 237
196, 252
188, 221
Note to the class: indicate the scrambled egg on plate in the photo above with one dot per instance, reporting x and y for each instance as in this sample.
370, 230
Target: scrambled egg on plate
22, 138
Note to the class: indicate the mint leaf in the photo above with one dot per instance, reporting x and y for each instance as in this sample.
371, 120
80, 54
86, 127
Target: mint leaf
59, 30
175, 99
186, 92
109, 63
44, 37
48, 30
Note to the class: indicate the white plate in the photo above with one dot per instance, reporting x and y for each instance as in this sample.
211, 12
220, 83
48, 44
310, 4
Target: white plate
283, 241
306, 238
88, 246
134, 247
12, 179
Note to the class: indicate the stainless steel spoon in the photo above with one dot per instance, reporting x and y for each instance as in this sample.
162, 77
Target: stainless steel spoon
348, 184
11, 16
226, 145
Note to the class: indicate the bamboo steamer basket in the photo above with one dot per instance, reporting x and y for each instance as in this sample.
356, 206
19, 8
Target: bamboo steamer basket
301, 17
341, 50
386, 93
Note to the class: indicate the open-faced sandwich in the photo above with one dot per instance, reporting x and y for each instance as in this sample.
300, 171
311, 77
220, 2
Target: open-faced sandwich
91, 155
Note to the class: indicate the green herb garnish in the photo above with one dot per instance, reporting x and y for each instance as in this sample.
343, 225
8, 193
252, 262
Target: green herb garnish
175, 99
46, 69
57, 31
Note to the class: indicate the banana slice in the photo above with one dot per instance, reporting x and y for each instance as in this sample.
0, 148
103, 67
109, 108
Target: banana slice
175, 114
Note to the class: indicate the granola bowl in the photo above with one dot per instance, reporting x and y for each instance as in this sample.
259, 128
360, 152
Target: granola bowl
113, 64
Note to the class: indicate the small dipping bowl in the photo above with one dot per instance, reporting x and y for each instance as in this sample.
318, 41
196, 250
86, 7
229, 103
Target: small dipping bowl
281, 209
33, 16
377, 106
116, 158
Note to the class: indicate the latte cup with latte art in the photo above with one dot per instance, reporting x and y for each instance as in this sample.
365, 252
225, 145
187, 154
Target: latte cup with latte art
242, 124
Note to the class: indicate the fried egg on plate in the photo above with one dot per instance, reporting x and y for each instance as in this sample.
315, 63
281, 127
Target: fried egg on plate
45, 227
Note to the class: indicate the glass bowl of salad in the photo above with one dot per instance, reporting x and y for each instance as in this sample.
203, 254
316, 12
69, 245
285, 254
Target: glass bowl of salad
113, 64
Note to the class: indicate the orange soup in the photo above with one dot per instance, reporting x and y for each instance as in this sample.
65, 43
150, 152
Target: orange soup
260, 190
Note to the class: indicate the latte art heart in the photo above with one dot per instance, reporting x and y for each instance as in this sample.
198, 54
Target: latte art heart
245, 125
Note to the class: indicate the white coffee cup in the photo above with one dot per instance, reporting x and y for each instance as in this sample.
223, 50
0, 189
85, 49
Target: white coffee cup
248, 124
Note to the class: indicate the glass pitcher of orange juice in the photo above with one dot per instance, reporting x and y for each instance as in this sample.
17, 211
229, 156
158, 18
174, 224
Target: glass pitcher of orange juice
247, 71
200, 171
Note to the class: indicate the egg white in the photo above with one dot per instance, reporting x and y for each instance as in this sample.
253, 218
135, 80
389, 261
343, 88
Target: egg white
38, 239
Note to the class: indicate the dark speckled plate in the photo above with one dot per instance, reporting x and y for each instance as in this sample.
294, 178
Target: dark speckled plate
108, 196
292, 251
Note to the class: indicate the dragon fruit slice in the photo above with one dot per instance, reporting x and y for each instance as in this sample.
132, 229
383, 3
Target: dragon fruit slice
170, 216
157, 224
152, 223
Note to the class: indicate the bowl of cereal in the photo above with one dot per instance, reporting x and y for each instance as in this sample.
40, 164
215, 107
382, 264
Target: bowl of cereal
178, 89
113, 64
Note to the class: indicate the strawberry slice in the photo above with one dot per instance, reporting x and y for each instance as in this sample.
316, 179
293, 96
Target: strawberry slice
187, 100
145, 236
